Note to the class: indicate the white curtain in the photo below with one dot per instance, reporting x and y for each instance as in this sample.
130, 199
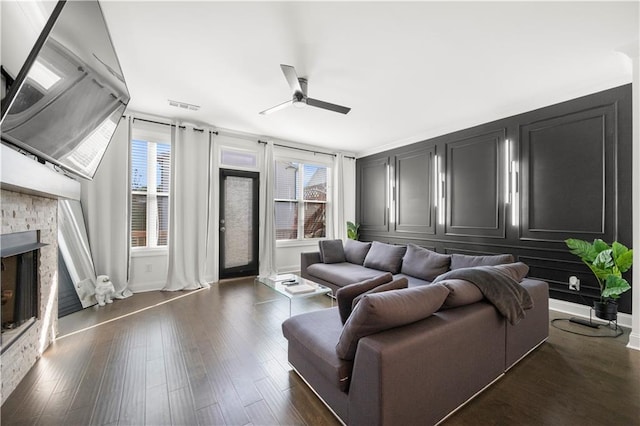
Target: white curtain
189, 212
343, 199
105, 201
267, 220
339, 225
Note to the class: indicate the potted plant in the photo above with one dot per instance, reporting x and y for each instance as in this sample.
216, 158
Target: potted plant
608, 263
353, 230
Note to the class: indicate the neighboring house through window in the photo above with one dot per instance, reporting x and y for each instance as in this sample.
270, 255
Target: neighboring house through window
300, 200
150, 180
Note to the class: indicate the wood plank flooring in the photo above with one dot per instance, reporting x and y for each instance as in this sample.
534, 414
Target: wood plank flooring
214, 357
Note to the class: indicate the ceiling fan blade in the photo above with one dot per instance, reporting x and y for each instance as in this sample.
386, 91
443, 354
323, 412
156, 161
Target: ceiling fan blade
276, 108
326, 105
292, 78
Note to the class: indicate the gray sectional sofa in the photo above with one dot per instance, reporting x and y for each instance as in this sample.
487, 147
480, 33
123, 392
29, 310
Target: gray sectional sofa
412, 355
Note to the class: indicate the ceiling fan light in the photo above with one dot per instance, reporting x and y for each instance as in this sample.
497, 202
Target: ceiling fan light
299, 104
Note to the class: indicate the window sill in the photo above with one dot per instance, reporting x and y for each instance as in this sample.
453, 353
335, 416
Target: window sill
298, 243
149, 251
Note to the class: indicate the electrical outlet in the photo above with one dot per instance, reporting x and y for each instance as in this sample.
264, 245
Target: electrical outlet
574, 283
148, 267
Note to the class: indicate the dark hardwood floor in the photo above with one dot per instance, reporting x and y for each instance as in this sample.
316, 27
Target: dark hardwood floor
215, 357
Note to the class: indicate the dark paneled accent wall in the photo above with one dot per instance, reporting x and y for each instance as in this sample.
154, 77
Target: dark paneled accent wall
519, 185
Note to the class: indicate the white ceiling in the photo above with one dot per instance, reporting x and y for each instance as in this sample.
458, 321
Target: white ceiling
409, 71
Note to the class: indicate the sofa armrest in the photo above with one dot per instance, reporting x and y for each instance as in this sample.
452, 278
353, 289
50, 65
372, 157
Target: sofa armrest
533, 329
419, 373
307, 259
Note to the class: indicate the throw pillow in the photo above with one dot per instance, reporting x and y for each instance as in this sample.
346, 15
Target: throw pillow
346, 294
463, 261
331, 251
462, 293
396, 284
424, 264
517, 270
356, 251
382, 311
385, 257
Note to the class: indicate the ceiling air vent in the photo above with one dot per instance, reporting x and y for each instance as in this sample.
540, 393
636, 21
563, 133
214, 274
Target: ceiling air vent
184, 105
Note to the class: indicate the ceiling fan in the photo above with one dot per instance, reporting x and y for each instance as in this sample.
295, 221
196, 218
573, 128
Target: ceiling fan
300, 99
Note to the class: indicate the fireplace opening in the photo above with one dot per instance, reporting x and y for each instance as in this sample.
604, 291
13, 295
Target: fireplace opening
19, 290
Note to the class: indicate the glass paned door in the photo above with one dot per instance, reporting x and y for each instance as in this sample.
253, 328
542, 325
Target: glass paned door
239, 198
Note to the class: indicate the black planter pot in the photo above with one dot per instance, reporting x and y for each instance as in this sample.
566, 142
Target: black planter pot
606, 310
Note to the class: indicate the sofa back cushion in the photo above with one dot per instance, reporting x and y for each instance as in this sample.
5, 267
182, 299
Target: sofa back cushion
385, 257
462, 292
346, 294
381, 311
396, 284
424, 264
356, 251
331, 251
464, 261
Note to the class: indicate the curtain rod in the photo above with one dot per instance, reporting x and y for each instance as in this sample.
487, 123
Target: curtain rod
306, 150
171, 125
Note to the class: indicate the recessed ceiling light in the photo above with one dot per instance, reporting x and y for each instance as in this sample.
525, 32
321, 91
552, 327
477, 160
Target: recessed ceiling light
184, 105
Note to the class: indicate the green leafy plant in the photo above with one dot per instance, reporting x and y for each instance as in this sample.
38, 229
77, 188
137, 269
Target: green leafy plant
353, 230
607, 262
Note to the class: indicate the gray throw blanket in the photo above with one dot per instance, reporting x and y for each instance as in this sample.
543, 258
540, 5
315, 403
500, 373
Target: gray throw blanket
507, 295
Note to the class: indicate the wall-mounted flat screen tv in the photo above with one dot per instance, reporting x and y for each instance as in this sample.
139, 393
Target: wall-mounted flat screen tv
70, 94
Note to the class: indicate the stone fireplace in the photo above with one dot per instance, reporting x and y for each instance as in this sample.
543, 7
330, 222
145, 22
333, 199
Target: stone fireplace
20, 213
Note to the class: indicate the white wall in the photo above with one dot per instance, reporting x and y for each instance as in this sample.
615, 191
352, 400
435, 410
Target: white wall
148, 270
288, 256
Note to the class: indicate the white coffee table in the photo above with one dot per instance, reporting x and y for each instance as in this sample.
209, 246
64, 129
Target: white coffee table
279, 283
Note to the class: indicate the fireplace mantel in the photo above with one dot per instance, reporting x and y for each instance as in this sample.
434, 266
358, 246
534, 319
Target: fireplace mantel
20, 173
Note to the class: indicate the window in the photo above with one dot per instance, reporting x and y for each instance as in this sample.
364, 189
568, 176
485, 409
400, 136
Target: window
150, 179
300, 201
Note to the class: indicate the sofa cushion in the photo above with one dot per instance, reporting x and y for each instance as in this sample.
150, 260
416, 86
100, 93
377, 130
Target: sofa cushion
316, 333
424, 264
331, 251
517, 270
396, 284
342, 274
356, 251
385, 257
464, 261
346, 294
462, 292
382, 311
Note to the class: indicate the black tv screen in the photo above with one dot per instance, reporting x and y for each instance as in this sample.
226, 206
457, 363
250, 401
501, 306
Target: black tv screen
70, 94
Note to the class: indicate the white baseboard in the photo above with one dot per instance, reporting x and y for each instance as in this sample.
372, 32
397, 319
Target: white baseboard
577, 310
288, 269
634, 341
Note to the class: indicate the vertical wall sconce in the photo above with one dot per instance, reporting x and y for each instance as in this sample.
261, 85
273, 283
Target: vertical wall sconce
507, 171
391, 190
436, 179
438, 189
515, 202
511, 182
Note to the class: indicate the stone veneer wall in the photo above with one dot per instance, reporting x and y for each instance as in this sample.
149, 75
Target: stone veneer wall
22, 212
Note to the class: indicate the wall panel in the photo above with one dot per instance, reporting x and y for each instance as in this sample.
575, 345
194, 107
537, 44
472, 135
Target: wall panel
414, 209
569, 176
373, 181
474, 178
